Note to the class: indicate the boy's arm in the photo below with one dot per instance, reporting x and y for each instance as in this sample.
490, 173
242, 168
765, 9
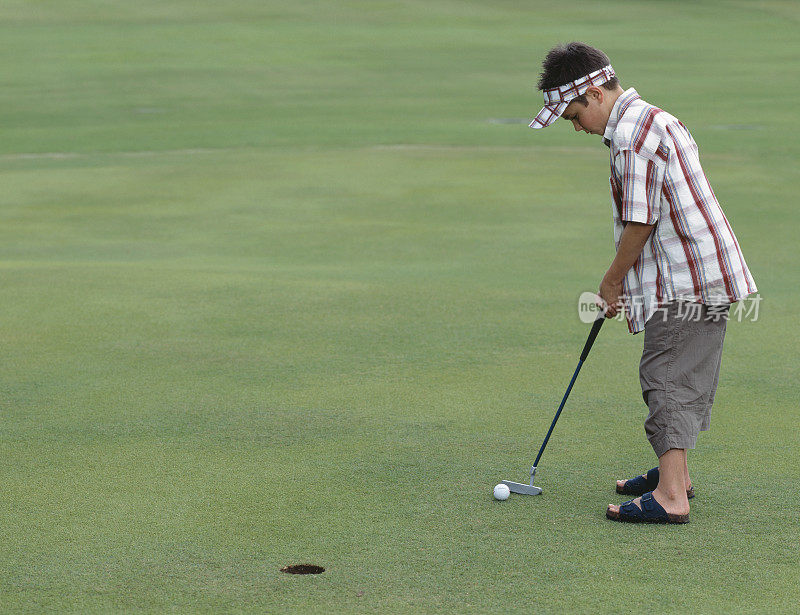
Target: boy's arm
631, 244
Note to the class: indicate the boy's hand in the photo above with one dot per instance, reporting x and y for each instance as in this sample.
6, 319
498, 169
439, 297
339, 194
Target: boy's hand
610, 292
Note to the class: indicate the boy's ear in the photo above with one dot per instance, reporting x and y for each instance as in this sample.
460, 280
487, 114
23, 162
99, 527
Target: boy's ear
595, 93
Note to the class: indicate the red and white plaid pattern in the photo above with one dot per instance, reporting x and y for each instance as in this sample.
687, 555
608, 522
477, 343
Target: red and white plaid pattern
557, 99
656, 178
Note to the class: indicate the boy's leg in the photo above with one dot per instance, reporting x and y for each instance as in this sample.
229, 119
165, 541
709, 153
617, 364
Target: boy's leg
671, 490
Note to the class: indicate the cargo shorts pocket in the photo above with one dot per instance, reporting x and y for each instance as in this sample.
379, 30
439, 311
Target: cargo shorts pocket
660, 328
693, 367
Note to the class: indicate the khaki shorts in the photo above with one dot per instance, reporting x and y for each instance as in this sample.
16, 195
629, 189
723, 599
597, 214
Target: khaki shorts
679, 372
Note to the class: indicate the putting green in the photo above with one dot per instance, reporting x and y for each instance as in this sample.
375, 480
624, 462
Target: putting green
293, 283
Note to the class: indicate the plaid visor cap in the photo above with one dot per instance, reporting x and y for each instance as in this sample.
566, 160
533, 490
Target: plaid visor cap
557, 99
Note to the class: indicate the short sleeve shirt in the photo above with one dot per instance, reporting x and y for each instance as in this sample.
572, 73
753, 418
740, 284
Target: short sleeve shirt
656, 178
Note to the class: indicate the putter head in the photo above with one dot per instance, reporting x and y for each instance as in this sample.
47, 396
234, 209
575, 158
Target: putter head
522, 488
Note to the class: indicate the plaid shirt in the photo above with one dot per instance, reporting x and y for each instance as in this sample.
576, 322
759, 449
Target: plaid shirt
656, 178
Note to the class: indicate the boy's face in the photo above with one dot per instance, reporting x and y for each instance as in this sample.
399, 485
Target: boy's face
591, 118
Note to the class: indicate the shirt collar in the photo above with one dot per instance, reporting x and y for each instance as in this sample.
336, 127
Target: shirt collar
617, 111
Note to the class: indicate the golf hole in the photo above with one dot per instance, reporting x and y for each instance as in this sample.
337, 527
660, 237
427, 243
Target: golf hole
303, 569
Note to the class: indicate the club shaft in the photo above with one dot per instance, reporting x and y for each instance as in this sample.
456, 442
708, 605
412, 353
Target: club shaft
560, 408
598, 323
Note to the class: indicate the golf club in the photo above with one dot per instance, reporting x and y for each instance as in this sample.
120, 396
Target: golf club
522, 488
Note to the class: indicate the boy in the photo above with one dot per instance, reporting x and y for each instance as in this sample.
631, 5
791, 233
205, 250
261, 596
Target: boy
677, 269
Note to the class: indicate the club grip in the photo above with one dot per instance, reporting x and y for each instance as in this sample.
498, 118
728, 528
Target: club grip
592, 335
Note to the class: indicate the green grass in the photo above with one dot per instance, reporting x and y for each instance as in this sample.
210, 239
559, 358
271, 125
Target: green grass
277, 290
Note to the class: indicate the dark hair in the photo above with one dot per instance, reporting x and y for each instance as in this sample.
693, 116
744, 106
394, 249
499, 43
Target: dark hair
570, 61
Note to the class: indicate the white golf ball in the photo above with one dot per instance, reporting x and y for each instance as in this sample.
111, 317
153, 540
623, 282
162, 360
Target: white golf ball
501, 492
